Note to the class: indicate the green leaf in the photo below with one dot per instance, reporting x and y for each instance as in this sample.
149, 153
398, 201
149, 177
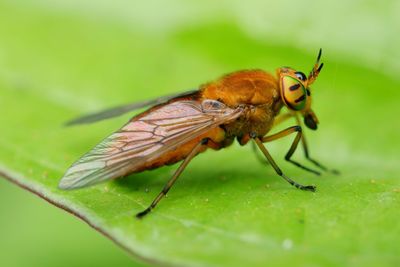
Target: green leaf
63, 60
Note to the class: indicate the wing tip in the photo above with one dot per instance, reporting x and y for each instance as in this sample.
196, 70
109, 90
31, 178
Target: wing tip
70, 181
66, 184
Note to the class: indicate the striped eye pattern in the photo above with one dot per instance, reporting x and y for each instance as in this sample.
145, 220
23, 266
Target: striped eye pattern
294, 94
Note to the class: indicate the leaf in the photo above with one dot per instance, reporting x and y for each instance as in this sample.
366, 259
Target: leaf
227, 209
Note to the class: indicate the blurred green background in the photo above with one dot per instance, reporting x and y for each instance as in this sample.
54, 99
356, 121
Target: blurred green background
34, 233
60, 59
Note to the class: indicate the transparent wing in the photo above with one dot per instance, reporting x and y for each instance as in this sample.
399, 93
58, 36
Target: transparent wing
147, 137
117, 111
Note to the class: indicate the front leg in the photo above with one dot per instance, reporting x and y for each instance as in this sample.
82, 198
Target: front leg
264, 150
289, 154
282, 118
307, 153
278, 120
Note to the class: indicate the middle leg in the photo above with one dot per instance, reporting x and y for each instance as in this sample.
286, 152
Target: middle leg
293, 147
277, 169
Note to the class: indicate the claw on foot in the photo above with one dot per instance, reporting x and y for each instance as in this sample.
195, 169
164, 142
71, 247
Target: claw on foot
311, 188
141, 214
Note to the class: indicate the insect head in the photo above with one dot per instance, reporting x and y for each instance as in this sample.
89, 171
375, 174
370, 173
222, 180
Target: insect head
296, 93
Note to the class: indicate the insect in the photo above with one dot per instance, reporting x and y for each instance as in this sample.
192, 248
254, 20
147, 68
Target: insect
244, 105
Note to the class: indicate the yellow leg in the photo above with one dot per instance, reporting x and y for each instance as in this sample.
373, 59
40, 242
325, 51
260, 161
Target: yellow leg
289, 154
171, 182
264, 150
282, 118
278, 120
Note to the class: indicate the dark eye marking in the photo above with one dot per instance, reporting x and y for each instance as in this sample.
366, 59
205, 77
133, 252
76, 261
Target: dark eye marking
308, 92
300, 75
301, 98
294, 87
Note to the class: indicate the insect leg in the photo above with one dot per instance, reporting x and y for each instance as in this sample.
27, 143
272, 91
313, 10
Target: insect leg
278, 120
170, 183
278, 170
283, 117
307, 153
293, 147
257, 153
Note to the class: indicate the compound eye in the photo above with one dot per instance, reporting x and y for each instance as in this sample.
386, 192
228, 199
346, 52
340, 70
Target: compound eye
301, 76
293, 92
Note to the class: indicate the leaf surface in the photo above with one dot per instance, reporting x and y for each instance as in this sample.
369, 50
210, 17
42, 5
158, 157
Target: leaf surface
227, 209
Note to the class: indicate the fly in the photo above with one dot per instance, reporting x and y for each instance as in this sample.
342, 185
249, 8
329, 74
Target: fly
243, 105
